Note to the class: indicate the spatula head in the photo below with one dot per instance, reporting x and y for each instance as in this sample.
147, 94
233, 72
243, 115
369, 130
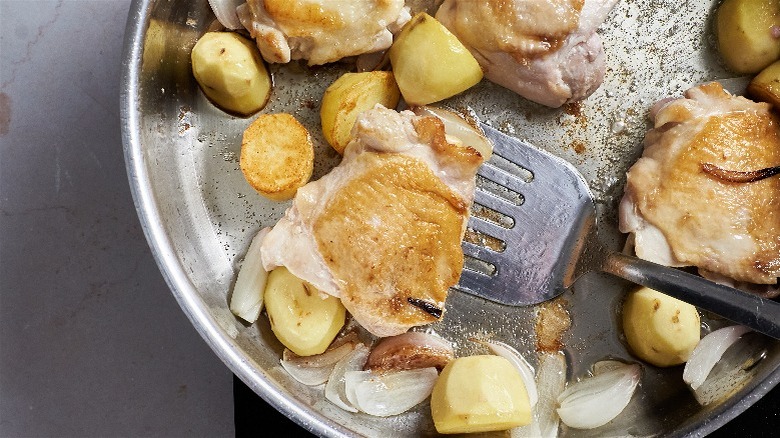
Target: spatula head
532, 212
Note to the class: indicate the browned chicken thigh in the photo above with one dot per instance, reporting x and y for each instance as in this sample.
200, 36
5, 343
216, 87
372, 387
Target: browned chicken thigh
681, 215
382, 231
547, 51
321, 31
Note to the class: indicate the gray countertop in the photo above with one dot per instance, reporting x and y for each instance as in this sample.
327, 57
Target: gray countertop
92, 342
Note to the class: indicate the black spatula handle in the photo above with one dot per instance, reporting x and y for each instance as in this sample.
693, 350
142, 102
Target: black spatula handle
760, 314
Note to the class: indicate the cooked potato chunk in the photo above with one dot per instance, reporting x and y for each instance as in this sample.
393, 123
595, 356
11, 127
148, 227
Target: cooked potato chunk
303, 319
479, 394
230, 72
744, 30
430, 63
277, 156
766, 86
660, 329
350, 95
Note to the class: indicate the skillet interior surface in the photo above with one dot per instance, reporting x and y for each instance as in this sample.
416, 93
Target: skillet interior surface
199, 214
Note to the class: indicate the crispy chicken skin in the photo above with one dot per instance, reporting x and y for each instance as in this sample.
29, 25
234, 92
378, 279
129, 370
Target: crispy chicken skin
321, 31
544, 50
682, 216
382, 231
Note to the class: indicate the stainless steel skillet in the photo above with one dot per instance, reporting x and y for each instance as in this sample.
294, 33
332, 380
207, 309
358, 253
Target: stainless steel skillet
198, 214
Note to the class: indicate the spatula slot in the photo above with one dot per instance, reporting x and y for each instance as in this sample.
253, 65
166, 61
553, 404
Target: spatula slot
499, 191
484, 240
488, 214
479, 266
511, 167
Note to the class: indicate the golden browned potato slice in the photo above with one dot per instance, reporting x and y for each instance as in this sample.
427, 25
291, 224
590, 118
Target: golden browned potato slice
744, 30
765, 87
430, 63
230, 72
660, 329
350, 95
277, 156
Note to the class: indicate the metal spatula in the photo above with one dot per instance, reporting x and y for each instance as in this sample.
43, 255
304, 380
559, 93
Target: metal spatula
535, 234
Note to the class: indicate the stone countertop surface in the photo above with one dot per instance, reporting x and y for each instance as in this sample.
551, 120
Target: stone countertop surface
92, 342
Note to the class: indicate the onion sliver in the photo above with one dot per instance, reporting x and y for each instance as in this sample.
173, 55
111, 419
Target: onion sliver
311, 376
225, 11
457, 127
314, 370
734, 369
408, 351
550, 382
708, 352
604, 366
523, 367
247, 298
335, 389
387, 394
529, 430
342, 345
371, 61
595, 401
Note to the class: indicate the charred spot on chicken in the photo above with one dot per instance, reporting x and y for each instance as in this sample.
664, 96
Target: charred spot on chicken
737, 176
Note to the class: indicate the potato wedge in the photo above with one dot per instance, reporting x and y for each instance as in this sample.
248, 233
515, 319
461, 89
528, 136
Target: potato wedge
660, 329
350, 95
231, 73
303, 319
430, 63
765, 87
744, 31
277, 156
479, 394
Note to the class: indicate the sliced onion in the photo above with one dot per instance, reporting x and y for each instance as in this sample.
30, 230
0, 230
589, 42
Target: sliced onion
595, 401
530, 430
247, 298
311, 376
387, 394
708, 352
340, 346
523, 367
460, 130
731, 374
315, 370
550, 381
604, 366
372, 61
335, 389
660, 105
225, 11
733, 370
410, 350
